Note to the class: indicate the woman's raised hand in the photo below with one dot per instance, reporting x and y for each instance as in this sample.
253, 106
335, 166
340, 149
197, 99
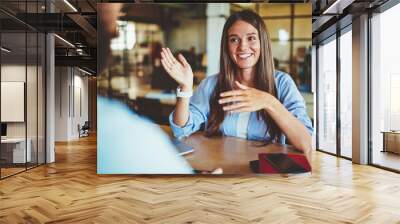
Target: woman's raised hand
180, 70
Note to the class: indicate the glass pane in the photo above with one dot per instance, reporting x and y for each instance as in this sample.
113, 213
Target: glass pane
275, 9
41, 99
302, 28
278, 29
31, 97
346, 94
302, 9
327, 97
41, 92
13, 87
32, 88
385, 84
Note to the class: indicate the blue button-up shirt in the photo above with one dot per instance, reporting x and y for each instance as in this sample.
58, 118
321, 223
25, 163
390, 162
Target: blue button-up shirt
129, 144
199, 108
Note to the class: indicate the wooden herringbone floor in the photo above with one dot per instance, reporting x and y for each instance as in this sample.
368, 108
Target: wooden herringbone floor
70, 191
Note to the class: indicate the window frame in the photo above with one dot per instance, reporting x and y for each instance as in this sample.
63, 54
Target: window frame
333, 37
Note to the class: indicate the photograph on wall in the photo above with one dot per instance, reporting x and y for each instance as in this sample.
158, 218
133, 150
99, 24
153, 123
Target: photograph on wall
211, 88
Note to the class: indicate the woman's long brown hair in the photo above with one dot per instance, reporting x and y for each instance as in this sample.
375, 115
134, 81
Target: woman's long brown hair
264, 79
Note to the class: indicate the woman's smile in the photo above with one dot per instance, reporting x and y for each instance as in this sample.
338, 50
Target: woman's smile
244, 55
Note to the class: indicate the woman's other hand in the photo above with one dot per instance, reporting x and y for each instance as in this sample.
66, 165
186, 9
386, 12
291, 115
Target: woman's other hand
180, 70
215, 171
246, 99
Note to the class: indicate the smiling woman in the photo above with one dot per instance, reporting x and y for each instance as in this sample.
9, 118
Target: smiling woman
248, 98
244, 45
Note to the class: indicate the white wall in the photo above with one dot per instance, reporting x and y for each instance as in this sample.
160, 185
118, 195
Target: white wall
71, 94
80, 110
33, 126
62, 82
12, 73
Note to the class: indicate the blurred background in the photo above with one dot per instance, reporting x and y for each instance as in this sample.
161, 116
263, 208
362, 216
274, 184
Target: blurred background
137, 78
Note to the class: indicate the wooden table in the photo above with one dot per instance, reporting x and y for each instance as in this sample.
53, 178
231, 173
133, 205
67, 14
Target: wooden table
229, 153
14, 152
391, 141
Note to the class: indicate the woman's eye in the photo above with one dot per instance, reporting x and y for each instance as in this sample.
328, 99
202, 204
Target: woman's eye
234, 40
252, 38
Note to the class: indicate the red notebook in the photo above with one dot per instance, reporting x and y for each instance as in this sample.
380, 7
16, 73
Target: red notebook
283, 163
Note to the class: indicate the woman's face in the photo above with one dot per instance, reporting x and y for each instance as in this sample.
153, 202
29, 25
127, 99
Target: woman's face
243, 44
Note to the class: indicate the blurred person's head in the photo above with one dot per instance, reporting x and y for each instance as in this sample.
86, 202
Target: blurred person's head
245, 46
107, 30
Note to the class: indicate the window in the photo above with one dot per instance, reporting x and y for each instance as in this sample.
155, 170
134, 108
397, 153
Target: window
326, 135
346, 94
126, 38
22, 62
334, 106
385, 89
289, 26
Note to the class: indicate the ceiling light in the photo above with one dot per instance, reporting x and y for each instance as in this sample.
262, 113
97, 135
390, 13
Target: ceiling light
79, 51
333, 6
70, 5
84, 71
5, 50
283, 36
337, 7
65, 41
